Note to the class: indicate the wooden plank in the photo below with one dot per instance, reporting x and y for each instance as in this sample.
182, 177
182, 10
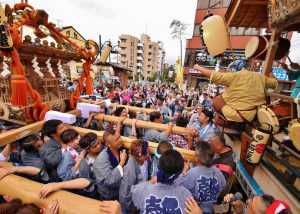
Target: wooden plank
275, 35
28, 192
137, 109
280, 96
25, 131
187, 154
257, 2
230, 16
144, 124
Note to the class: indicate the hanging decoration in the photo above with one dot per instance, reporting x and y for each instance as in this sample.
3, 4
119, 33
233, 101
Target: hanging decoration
36, 67
50, 70
61, 70
179, 74
6, 72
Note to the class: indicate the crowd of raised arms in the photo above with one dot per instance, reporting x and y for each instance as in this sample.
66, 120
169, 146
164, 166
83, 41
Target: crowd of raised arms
132, 181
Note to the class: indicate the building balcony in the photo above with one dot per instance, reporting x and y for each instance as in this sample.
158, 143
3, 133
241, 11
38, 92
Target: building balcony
140, 58
139, 64
140, 44
140, 51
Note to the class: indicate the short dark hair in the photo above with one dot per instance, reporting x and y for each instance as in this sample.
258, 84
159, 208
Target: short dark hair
171, 162
221, 138
124, 102
208, 114
164, 145
132, 115
140, 105
154, 115
181, 121
67, 135
205, 153
118, 111
148, 105
28, 143
267, 199
87, 139
161, 98
50, 127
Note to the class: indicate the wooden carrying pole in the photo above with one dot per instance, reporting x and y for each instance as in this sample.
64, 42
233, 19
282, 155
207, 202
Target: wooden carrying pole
25, 131
28, 192
137, 109
144, 124
187, 154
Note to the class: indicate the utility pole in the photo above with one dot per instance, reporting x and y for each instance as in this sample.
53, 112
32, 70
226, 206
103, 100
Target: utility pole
58, 21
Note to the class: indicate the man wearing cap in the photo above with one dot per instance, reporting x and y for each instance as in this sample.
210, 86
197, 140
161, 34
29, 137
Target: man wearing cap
244, 92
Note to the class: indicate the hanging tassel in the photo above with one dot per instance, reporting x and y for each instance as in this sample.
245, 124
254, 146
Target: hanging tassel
18, 91
89, 85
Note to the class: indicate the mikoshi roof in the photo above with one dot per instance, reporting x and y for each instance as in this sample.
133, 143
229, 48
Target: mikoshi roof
247, 13
275, 14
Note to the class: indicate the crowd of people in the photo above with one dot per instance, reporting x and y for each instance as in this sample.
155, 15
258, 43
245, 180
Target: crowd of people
134, 181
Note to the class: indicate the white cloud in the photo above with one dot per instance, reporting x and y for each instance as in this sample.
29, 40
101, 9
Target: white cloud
110, 18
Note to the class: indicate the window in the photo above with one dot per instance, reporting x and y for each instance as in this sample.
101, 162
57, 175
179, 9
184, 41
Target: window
204, 4
150, 46
123, 40
196, 30
132, 43
148, 72
150, 53
243, 31
68, 33
79, 70
75, 36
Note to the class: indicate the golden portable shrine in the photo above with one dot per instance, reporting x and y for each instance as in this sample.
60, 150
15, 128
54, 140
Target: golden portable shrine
37, 66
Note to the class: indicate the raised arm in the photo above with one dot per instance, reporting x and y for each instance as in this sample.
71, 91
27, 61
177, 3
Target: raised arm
206, 72
6, 152
119, 124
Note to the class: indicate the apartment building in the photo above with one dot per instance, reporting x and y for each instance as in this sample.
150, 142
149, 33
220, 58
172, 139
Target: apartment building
161, 57
142, 55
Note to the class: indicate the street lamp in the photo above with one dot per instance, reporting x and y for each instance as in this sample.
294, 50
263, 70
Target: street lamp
115, 51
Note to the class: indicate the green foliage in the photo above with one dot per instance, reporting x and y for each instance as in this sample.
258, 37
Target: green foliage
165, 73
154, 76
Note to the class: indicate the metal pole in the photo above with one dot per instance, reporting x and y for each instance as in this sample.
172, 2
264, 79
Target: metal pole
109, 53
100, 45
180, 52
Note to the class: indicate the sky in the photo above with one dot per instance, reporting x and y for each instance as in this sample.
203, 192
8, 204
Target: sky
111, 18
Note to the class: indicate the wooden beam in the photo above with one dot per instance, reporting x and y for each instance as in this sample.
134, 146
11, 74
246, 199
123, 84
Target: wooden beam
28, 192
275, 35
281, 96
187, 154
17, 134
137, 109
232, 15
144, 124
257, 2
